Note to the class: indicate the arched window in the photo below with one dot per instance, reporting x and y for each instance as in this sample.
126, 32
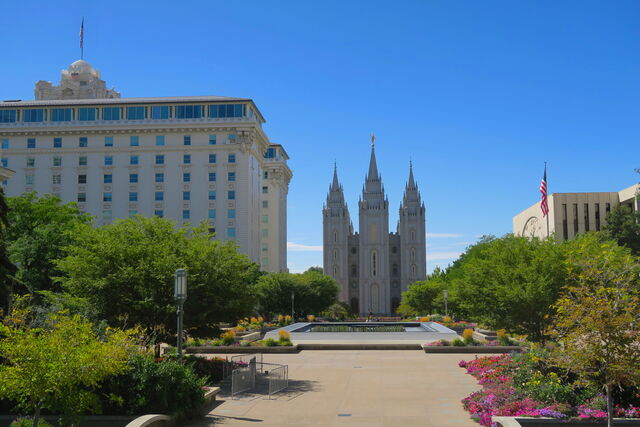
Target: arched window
413, 235
413, 270
335, 236
335, 271
335, 254
374, 263
394, 269
413, 254
354, 270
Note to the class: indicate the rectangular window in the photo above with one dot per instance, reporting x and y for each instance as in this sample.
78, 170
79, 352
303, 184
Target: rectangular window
159, 213
607, 208
186, 195
82, 161
134, 140
108, 178
231, 232
133, 196
82, 179
86, 114
5, 144
29, 179
159, 196
106, 197
586, 217
212, 176
111, 113
186, 177
5, 163
133, 178
57, 161
133, 160
265, 190
108, 141
160, 112
83, 141
212, 158
211, 214
61, 114
265, 218
597, 216
8, 116
159, 177
57, 143
270, 153
135, 113
31, 143
188, 111
212, 195
106, 215
265, 203
159, 139
31, 162
212, 140
231, 176
159, 159
82, 197
265, 232
226, 110
231, 138
575, 219
231, 195
231, 158
186, 214
33, 115
231, 213
108, 160
265, 175
186, 159
187, 140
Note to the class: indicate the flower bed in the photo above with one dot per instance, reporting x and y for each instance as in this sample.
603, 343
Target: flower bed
527, 385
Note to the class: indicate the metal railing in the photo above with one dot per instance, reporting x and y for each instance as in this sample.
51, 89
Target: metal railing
278, 379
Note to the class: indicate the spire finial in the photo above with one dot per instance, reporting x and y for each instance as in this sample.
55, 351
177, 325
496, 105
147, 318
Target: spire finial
373, 139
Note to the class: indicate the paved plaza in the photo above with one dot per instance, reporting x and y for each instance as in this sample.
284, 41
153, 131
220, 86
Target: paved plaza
357, 387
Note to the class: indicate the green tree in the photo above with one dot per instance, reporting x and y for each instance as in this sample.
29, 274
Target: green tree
7, 268
623, 226
424, 297
57, 367
127, 268
313, 292
597, 322
40, 230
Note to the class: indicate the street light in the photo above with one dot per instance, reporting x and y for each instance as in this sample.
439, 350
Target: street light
446, 295
180, 294
293, 317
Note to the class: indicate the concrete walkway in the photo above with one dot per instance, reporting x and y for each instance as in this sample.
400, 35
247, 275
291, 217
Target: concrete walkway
351, 387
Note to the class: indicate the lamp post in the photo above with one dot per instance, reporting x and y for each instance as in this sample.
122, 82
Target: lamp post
293, 317
180, 294
446, 295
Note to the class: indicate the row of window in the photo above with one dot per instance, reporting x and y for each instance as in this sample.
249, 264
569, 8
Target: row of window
133, 178
134, 159
134, 141
585, 219
158, 197
158, 112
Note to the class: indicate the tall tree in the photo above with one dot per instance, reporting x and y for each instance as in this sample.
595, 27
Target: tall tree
623, 226
127, 268
40, 230
7, 268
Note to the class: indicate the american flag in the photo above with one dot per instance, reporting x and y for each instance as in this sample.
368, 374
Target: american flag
544, 206
81, 33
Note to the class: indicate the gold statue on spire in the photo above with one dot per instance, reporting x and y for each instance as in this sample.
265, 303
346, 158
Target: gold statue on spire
373, 139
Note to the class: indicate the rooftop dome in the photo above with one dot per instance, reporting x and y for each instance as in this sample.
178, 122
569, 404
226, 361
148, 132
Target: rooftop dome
81, 68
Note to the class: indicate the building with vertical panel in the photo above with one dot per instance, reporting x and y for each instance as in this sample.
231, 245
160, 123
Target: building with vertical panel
573, 213
191, 159
372, 266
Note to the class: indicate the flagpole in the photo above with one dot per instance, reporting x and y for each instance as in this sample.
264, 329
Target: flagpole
82, 39
547, 183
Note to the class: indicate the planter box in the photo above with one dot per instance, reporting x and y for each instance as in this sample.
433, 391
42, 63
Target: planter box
551, 422
485, 349
210, 349
358, 346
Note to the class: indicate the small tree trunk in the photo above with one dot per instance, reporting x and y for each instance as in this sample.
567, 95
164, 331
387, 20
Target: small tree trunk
609, 406
36, 417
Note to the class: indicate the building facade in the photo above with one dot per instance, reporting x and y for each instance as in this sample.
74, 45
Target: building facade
373, 267
573, 213
191, 159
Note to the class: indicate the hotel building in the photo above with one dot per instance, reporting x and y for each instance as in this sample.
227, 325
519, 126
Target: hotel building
191, 159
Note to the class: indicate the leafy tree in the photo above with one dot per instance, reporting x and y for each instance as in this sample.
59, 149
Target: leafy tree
316, 268
598, 316
56, 367
623, 226
40, 230
127, 268
313, 292
510, 283
424, 297
7, 269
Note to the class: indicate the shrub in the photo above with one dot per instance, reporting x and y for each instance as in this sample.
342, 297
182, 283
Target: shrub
280, 319
458, 343
285, 343
269, 342
284, 335
504, 340
311, 318
228, 337
467, 335
446, 319
287, 319
423, 319
28, 422
148, 387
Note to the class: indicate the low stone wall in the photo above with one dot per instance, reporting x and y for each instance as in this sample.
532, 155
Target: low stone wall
484, 349
362, 346
552, 422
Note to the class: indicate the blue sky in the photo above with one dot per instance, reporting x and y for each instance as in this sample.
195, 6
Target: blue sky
477, 94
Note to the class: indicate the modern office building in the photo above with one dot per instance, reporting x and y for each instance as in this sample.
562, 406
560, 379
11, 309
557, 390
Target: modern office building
373, 267
191, 159
573, 213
